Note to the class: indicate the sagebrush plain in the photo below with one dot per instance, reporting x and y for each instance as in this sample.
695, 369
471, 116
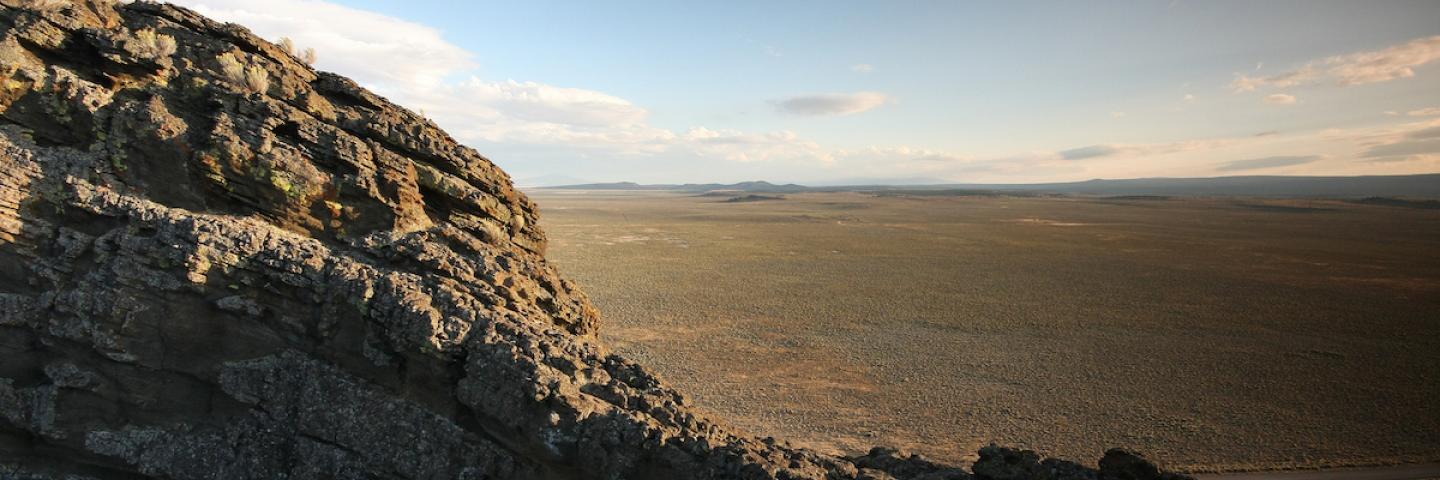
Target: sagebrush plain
1213, 334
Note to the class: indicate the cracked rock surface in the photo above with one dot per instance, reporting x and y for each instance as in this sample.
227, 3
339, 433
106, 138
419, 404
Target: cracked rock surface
208, 276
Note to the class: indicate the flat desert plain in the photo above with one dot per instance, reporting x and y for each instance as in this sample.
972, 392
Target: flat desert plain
1212, 334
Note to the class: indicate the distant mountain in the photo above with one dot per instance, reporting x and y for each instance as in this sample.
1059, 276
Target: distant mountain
755, 186
1427, 185
888, 181
1424, 185
612, 186
548, 181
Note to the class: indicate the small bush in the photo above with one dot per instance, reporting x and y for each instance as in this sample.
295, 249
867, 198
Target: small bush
308, 55
232, 68
257, 80
254, 78
151, 45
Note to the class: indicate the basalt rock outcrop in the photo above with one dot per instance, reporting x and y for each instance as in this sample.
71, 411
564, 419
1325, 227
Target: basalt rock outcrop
218, 263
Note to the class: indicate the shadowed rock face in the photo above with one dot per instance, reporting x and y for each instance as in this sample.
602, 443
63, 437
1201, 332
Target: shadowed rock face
269, 272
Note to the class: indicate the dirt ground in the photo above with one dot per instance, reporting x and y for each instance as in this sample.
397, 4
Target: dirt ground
1211, 334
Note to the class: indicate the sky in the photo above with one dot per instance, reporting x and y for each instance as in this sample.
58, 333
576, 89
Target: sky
834, 92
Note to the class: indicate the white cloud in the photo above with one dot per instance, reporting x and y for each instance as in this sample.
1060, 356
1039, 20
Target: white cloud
862, 68
1412, 147
547, 103
413, 65
1390, 63
1102, 160
384, 53
1280, 99
1390, 149
831, 103
1402, 149
1117, 114
908, 159
1403, 142
1292, 78
739, 146
1424, 112
936, 165
1188, 98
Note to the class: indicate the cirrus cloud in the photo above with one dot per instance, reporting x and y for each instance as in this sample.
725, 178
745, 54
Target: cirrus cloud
1390, 63
1280, 99
735, 145
1421, 139
1244, 83
1403, 148
1424, 112
548, 103
824, 104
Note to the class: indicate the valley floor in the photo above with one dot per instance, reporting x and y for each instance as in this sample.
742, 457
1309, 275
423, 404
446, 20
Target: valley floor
1210, 334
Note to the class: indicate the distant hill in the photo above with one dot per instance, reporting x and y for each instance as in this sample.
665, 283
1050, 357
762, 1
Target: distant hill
1427, 185
753, 198
896, 181
1424, 185
548, 181
755, 186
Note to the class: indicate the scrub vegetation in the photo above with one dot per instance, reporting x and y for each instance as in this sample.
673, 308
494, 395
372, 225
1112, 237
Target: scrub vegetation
1213, 334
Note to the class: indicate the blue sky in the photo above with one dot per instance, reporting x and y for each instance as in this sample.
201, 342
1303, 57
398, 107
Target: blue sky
825, 92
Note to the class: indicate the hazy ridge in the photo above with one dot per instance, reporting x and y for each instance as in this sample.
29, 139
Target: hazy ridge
1423, 185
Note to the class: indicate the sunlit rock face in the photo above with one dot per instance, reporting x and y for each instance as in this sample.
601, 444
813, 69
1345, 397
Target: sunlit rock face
216, 262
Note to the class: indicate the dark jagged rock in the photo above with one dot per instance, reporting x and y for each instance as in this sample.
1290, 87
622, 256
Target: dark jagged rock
883, 463
1000, 463
216, 262
1122, 464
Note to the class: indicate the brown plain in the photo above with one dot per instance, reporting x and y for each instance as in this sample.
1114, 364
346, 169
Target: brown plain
1211, 334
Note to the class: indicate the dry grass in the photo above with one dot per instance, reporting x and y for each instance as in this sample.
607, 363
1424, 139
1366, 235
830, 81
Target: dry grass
1211, 334
149, 44
253, 77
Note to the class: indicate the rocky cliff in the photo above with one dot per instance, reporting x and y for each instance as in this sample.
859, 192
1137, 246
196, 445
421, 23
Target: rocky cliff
216, 262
